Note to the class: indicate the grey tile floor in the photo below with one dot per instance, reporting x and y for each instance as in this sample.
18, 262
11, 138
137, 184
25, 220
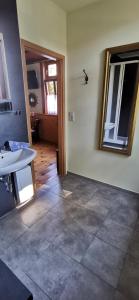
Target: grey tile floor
81, 247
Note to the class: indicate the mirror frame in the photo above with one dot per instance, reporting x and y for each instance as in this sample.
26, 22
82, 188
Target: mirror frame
135, 106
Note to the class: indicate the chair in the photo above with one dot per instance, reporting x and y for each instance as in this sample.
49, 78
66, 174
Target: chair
35, 122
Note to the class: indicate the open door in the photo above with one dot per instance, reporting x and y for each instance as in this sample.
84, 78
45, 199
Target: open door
52, 86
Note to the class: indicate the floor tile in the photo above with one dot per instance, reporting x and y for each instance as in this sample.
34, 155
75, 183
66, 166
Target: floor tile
115, 234
134, 244
104, 260
98, 206
11, 227
137, 225
85, 191
62, 211
51, 271
44, 201
69, 183
32, 212
74, 248
105, 192
87, 219
50, 226
119, 296
83, 285
124, 215
27, 247
129, 281
74, 242
48, 199
43, 192
128, 199
37, 293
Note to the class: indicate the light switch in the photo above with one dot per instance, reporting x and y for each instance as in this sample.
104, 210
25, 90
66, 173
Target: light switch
71, 116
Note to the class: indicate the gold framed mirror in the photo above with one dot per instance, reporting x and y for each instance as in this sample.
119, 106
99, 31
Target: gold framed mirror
120, 98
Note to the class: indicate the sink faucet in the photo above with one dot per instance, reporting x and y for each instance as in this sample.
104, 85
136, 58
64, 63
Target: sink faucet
1, 148
5, 146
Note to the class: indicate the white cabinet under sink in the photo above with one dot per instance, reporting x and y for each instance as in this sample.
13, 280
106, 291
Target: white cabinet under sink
23, 185
16, 165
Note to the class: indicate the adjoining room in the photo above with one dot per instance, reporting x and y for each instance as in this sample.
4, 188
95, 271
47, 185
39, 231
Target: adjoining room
42, 75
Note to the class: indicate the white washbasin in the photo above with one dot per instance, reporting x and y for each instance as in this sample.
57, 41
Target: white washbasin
14, 161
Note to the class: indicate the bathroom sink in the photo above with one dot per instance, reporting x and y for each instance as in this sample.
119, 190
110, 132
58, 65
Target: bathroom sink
11, 162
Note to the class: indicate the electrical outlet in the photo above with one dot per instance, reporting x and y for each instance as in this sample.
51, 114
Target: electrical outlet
71, 116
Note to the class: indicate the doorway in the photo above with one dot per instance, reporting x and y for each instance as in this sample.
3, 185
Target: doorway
43, 72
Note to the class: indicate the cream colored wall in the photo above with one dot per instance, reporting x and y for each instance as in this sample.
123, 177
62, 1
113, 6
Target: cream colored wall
90, 31
44, 23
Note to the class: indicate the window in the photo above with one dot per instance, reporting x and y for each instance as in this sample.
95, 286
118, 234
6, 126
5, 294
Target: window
52, 70
50, 88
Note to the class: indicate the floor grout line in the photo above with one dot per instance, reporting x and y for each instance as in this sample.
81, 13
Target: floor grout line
95, 235
37, 285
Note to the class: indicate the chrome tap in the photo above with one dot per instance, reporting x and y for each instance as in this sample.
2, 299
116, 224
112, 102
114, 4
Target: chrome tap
1, 149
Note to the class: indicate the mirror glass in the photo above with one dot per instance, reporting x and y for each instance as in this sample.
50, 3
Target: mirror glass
119, 99
4, 83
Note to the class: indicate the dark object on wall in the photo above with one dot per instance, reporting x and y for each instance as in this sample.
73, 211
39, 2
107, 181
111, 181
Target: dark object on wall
32, 100
86, 77
5, 105
35, 129
11, 288
7, 201
32, 80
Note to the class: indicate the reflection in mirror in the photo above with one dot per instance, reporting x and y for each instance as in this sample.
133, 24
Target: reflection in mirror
119, 101
4, 83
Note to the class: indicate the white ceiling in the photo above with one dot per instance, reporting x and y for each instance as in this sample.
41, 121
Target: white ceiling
71, 5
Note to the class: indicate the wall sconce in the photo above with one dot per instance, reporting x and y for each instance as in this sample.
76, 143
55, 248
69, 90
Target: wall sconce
85, 77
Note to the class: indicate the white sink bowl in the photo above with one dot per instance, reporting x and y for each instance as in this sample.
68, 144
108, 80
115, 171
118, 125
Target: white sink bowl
11, 162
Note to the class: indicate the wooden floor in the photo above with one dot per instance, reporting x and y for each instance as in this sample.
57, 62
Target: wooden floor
45, 163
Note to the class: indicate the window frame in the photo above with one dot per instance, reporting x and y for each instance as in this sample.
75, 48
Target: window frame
46, 78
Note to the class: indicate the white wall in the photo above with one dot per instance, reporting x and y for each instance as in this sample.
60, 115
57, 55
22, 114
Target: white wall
38, 92
44, 23
91, 30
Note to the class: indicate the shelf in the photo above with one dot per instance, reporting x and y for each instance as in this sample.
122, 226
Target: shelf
7, 112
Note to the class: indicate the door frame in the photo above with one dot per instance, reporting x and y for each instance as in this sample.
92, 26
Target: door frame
25, 45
